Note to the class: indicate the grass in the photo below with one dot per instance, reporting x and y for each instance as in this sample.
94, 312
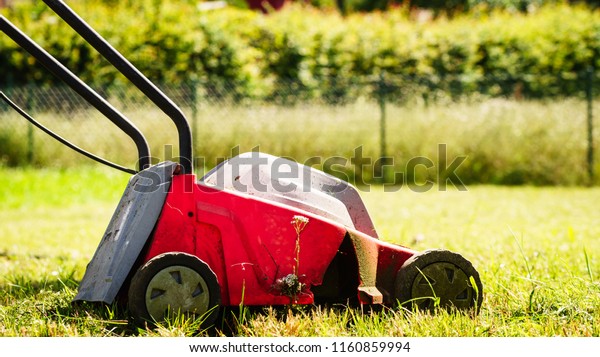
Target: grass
505, 141
535, 248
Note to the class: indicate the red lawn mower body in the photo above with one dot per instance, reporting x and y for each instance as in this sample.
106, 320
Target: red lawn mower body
250, 242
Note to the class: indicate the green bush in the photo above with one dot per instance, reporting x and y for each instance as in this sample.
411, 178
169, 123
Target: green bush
321, 54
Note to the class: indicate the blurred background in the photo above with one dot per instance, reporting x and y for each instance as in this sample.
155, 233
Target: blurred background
510, 85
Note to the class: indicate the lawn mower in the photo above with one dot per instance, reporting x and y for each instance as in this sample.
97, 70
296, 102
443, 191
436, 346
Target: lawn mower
256, 230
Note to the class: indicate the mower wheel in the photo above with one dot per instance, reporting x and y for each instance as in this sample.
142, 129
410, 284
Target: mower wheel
439, 278
174, 283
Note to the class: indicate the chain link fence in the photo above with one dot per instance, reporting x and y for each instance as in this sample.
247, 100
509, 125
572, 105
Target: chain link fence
509, 132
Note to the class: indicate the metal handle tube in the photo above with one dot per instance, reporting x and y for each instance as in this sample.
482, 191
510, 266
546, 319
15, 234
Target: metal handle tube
134, 75
63, 73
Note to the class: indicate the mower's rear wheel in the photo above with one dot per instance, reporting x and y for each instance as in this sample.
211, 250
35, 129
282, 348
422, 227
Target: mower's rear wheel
174, 283
439, 279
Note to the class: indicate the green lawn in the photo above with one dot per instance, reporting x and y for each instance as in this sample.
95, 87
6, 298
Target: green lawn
536, 249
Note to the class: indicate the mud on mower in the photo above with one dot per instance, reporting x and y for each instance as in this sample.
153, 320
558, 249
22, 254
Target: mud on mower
241, 234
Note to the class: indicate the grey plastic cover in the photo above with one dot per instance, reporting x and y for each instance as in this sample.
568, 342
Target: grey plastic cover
288, 182
127, 234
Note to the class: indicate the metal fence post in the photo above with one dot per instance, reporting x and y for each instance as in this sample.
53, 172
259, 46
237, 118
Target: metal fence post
590, 122
381, 98
30, 134
194, 93
382, 126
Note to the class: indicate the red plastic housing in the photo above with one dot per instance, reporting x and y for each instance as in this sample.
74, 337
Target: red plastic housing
250, 243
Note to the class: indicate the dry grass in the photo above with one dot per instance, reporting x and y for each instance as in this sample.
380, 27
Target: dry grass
504, 141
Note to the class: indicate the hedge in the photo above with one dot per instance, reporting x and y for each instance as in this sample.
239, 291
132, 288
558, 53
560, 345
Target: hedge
320, 53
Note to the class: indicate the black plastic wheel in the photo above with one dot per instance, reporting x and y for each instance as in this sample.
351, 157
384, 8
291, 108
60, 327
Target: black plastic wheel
171, 283
439, 278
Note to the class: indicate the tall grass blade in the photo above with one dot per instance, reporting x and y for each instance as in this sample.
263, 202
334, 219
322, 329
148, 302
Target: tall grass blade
588, 265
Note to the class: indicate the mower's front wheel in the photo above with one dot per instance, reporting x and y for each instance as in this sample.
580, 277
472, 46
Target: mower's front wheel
174, 283
439, 278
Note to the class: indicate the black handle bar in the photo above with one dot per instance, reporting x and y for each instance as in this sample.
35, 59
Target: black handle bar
134, 75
